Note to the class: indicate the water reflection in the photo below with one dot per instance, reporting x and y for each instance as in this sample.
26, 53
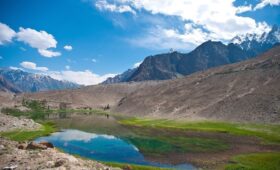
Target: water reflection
101, 147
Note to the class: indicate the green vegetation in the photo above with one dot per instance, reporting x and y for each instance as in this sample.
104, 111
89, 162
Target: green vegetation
178, 144
153, 146
36, 110
255, 161
13, 112
269, 133
89, 111
23, 135
138, 167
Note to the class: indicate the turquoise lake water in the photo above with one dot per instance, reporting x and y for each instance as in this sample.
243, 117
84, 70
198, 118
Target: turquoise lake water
102, 147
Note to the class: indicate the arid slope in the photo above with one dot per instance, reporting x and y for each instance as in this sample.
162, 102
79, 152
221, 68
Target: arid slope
245, 91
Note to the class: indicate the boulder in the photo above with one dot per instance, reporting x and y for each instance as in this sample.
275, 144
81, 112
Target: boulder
47, 144
22, 146
59, 163
33, 145
127, 167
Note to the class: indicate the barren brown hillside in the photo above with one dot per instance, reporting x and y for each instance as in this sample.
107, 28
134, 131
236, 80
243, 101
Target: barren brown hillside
245, 91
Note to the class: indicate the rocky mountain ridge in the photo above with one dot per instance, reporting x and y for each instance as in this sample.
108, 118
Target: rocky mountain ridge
20, 81
207, 55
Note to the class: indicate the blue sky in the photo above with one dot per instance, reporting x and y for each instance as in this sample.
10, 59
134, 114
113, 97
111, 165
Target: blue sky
106, 37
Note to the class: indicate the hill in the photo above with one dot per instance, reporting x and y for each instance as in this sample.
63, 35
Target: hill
244, 91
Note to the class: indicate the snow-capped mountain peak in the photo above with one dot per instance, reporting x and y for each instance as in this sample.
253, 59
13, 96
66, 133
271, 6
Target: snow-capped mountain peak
251, 41
272, 36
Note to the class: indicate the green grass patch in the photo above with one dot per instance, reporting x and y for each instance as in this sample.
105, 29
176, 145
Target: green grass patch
23, 135
37, 110
152, 146
166, 144
269, 133
255, 161
133, 166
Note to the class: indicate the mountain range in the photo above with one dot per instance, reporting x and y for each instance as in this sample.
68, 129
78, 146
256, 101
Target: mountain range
244, 91
207, 55
20, 81
157, 67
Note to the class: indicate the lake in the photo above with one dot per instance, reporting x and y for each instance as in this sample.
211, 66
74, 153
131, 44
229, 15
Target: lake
100, 138
102, 147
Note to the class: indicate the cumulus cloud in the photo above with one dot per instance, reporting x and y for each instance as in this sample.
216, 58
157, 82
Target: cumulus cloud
48, 53
68, 47
6, 34
163, 38
204, 20
104, 5
32, 66
80, 77
40, 40
264, 3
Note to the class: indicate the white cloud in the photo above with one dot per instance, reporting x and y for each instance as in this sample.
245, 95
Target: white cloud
68, 47
80, 77
6, 34
104, 5
161, 38
40, 40
94, 60
242, 9
137, 64
48, 53
14, 68
32, 66
264, 3
204, 20
67, 67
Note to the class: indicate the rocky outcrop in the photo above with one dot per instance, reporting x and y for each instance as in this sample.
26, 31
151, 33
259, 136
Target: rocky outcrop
11, 157
9, 123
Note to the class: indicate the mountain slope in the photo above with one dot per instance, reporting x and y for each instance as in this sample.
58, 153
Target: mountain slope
121, 77
172, 65
207, 55
22, 81
244, 91
6, 86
